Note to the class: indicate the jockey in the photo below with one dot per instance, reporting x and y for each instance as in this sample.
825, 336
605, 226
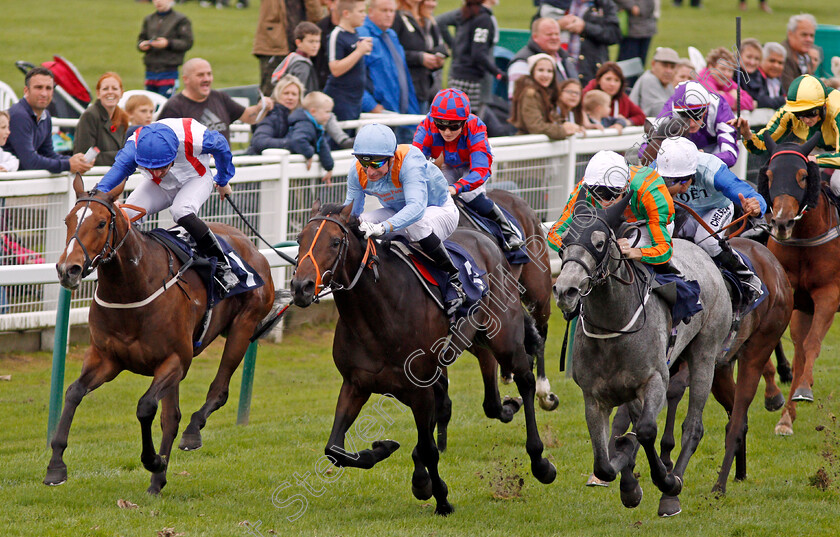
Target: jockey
707, 115
811, 107
606, 179
452, 134
174, 159
704, 183
413, 194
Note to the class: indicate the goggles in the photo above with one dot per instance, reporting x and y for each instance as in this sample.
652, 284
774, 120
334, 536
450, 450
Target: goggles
452, 126
673, 181
692, 113
372, 162
607, 193
813, 112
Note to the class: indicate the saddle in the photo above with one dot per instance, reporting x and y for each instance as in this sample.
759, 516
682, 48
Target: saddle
518, 256
436, 281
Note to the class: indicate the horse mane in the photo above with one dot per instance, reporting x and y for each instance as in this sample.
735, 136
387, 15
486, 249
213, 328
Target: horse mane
333, 209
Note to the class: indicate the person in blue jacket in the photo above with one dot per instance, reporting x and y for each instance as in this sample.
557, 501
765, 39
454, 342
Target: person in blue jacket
414, 196
174, 159
306, 131
704, 183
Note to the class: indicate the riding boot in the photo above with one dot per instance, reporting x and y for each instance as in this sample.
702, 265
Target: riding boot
733, 262
759, 230
208, 245
434, 248
512, 240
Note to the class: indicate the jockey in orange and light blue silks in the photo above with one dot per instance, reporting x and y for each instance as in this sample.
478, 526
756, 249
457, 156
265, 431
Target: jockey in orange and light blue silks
606, 179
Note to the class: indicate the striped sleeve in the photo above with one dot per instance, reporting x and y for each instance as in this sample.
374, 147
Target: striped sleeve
655, 204
778, 126
479, 155
423, 137
556, 231
832, 160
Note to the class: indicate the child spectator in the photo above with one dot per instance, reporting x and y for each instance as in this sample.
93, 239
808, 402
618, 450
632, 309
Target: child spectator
610, 80
299, 62
717, 78
569, 105
141, 112
306, 131
165, 37
535, 101
346, 83
8, 162
596, 105
684, 72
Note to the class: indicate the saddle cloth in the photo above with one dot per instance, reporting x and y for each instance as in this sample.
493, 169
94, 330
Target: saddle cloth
436, 281
515, 257
683, 296
183, 246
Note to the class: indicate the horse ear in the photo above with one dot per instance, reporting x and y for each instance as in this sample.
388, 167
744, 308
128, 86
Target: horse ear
79, 186
346, 211
809, 146
770, 143
765, 176
615, 212
316, 208
113, 194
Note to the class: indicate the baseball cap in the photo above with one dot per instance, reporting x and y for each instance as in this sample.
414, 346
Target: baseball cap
665, 54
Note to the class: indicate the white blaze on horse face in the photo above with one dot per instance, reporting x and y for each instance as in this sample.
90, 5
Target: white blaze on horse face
81, 214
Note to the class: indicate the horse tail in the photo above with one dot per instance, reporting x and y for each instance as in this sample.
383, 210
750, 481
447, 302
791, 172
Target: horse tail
533, 340
282, 301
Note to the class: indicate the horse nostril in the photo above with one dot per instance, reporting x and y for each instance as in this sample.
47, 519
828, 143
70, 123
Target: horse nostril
571, 292
74, 271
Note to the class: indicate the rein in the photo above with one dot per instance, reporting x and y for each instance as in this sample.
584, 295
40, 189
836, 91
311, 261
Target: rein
708, 228
820, 239
110, 248
369, 260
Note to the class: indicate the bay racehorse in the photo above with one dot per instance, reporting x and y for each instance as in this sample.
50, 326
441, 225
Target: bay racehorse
391, 338
621, 347
534, 284
804, 237
146, 319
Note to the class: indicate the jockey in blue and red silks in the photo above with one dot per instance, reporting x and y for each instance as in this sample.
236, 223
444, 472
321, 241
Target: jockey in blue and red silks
457, 141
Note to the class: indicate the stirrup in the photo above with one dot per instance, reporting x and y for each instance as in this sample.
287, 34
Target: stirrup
512, 242
453, 304
226, 279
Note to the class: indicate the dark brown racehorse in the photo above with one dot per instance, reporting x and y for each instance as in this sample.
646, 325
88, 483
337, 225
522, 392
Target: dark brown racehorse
391, 338
804, 238
535, 285
144, 332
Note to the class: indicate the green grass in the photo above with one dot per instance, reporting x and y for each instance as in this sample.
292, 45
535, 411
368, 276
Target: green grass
233, 477
99, 36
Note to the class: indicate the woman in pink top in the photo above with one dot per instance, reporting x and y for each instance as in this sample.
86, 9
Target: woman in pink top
717, 77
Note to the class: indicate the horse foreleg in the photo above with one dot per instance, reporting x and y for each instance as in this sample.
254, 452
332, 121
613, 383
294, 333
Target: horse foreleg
646, 431
676, 389
543, 470
773, 398
443, 409
350, 403
167, 376
604, 467
426, 480
170, 417
493, 406
826, 300
95, 372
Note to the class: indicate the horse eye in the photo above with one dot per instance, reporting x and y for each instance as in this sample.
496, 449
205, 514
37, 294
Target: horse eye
599, 245
336, 242
102, 224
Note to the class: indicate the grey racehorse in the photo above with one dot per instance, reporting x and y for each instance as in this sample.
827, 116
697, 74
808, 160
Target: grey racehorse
620, 346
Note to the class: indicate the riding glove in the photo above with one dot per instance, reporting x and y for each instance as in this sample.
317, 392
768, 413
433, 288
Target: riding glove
372, 230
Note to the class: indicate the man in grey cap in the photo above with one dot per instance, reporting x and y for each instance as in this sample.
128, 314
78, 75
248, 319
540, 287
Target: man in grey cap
655, 85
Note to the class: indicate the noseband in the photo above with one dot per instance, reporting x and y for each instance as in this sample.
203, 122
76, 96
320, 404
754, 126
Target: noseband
109, 249
601, 272
370, 260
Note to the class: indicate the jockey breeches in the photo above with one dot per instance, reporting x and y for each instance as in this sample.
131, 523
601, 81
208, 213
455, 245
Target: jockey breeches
181, 199
441, 221
692, 230
453, 174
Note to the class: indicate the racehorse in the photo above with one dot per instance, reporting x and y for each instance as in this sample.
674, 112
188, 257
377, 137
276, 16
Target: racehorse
535, 284
614, 366
391, 338
804, 238
140, 324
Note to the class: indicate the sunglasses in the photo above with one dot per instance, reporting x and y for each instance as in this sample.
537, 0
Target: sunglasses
813, 112
607, 193
372, 162
677, 181
695, 114
451, 126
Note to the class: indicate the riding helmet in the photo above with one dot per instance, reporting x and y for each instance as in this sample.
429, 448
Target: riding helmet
692, 99
677, 157
607, 168
157, 146
375, 140
451, 104
806, 92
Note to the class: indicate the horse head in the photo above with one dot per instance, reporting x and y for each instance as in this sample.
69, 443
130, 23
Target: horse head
790, 184
589, 252
322, 251
672, 127
93, 226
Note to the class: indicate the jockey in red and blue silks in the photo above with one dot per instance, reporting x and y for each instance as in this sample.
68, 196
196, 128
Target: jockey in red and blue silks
452, 134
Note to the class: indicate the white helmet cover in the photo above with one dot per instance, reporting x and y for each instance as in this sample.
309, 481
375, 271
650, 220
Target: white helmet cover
677, 157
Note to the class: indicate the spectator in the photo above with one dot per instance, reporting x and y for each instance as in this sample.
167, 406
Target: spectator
141, 112
326, 25
801, 30
425, 52
346, 83
641, 27
165, 37
536, 99
610, 80
765, 84
306, 131
590, 27
545, 39
570, 107
596, 106
717, 78
750, 59
273, 40
30, 139
8, 162
656, 84
762, 5
684, 72
299, 63
103, 125
472, 51
272, 132
815, 53
213, 109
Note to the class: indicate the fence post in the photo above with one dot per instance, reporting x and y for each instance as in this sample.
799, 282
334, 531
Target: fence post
62, 321
247, 385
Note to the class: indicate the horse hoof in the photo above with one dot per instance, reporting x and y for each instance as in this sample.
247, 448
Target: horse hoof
507, 379
632, 498
544, 471
719, 489
190, 442
441, 442
595, 482
774, 403
803, 394
384, 448
669, 506
784, 430
56, 476
514, 402
444, 508
549, 403
422, 491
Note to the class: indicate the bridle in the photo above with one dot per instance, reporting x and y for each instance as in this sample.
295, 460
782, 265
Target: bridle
110, 248
369, 260
803, 207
